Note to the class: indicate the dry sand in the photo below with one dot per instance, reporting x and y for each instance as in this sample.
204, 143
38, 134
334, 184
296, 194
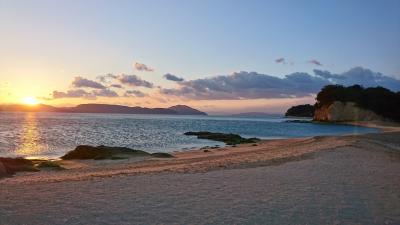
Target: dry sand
353, 179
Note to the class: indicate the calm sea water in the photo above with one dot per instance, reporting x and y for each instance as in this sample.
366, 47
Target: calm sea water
53, 134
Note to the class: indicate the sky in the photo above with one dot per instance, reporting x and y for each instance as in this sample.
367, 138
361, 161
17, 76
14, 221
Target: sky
220, 56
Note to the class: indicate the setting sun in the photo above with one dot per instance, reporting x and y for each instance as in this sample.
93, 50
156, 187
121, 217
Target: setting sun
30, 100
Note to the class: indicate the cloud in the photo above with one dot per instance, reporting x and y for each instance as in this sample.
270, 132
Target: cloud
104, 93
143, 67
284, 61
134, 93
116, 86
80, 93
361, 76
252, 85
248, 85
80, 82
172, 77
280, 60
133, 80
100, 90
315, 62
106, 78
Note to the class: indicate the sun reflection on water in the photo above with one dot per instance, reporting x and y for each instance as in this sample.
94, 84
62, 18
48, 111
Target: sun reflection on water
29, 137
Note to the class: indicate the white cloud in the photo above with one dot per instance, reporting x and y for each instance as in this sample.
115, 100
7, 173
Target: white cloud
142, 67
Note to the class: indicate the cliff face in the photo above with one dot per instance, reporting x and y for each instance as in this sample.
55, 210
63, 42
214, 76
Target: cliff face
344, 111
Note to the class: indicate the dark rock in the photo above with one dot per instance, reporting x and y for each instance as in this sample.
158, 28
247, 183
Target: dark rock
9, 166
102, 152
3, 170
298, 121
53, 165
162, 155
229, 139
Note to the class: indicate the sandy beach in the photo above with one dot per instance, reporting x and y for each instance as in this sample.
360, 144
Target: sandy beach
351, 179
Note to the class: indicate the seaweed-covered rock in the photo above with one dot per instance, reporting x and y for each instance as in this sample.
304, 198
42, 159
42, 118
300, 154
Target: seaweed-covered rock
9, 166
102, 152
298, 121
229, 139
3, 170
162, 155
51, 165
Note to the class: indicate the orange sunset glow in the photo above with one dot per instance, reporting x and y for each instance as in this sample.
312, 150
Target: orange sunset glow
29, 100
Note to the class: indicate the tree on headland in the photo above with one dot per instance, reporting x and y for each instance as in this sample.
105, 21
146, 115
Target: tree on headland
306, 110
380, 100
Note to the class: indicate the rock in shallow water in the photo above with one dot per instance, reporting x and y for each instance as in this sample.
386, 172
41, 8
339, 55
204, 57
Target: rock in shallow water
106, 152
229, 139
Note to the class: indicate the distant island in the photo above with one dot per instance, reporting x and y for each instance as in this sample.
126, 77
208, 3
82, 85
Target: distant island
336, 103
103, 108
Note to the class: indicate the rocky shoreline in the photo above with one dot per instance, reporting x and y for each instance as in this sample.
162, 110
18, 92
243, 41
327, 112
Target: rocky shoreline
106, 160
10, 166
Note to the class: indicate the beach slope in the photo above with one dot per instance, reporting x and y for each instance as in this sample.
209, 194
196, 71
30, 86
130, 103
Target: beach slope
351, 179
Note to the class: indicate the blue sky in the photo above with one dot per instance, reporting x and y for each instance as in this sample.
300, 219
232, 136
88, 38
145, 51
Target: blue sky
50, 42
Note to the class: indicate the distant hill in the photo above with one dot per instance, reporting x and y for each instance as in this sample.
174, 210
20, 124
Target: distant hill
28, 108
301, 111
186, 110
255, 114
104, 108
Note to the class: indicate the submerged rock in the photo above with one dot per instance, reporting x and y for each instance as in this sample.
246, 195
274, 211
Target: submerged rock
229, 139
106, 152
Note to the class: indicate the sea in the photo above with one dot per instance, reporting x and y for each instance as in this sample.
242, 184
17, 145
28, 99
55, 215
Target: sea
51, 135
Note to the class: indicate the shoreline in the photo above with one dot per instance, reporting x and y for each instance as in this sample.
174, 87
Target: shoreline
388, 126
263, 153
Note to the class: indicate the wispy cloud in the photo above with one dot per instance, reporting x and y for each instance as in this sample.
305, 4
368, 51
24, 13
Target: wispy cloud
80, 82
116, 86
284, 61
80, 93
102, 88
134, 93
105, 93
143, 67
315, 62
172, 77
133, 80
280, 60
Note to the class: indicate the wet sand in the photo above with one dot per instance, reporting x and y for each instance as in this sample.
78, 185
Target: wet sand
353, 179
